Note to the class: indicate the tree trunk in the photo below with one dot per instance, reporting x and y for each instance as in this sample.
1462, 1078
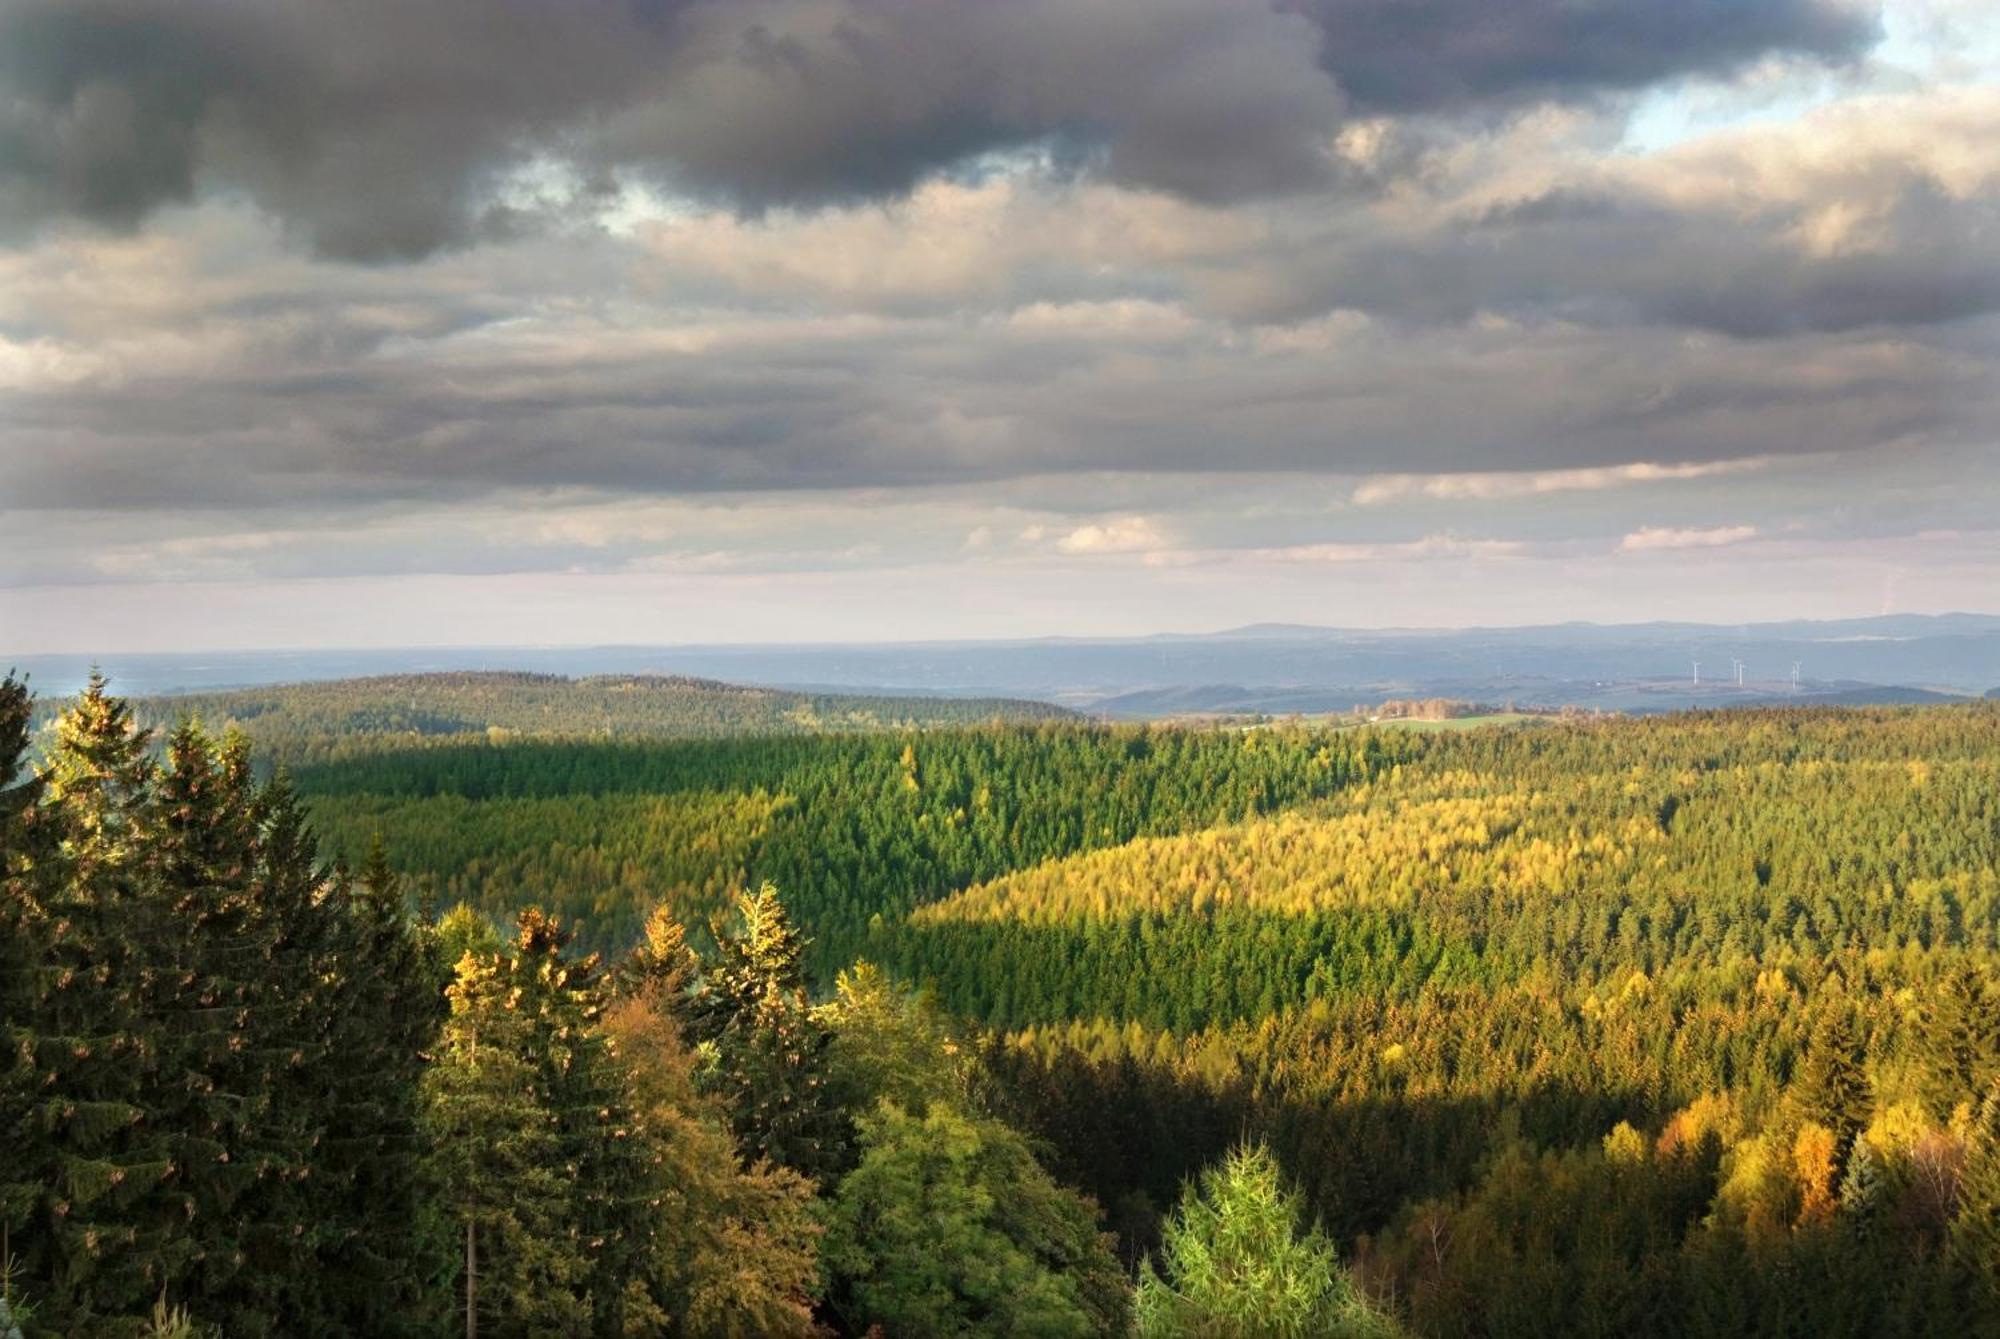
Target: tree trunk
471, 1283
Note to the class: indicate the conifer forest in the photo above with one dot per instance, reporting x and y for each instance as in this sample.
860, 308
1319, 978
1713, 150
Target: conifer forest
1686, 1025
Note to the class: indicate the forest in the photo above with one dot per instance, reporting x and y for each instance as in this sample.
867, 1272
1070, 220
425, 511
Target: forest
298, 723
1686, 1025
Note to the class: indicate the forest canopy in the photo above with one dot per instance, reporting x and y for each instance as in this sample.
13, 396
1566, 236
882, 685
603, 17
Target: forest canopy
1685, 1026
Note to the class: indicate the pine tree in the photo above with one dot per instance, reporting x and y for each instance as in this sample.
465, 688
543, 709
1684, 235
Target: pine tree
496, 1160
1861, 1190
379, 1251
1975, 1229
1832, 1086
1238, 1263
610, 1196
1958, 1040
212, 1099
100, 1181
771, 1050
23, 860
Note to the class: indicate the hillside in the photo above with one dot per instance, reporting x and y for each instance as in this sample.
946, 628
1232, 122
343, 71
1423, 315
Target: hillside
1576, 851
1599, 1026
305, 722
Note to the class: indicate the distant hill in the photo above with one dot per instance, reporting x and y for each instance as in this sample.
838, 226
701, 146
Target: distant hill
1296, 667
308, 722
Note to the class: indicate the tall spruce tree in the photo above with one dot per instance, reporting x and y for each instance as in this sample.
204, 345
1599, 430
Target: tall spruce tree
101, 1178
1239, 1262
1958, 1040
495, 1159
611, 1200
772, 1065
1975, 1230
380, 1253
21, 867
1832, 1087
212, 1099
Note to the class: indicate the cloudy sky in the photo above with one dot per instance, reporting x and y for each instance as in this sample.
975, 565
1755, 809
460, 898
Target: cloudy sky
511, 321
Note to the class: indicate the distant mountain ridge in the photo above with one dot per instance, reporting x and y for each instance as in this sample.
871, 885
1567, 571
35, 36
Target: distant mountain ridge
1582, 664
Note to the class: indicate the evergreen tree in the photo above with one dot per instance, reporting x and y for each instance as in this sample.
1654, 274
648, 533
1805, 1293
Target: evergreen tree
23, 862
381, 1256
610, 1196
1861, 1189
1236, 1265
948, 1226
95, 1184
213, 1097
1832, 1086
1958, 1039
771, 1050
496, 1160
1975, 1230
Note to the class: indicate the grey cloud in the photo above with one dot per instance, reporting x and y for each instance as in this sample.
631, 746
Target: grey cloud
1427, 55
1614, 258
379, 129
766, 404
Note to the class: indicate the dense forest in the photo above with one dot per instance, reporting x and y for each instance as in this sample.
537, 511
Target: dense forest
300, 723
1679, 1026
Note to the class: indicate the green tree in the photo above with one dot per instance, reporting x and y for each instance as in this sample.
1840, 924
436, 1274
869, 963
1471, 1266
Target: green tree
1237, 1264
611, 1204
379, 1252
770, 1048
1832, 1087
1958, 1039
948, 1226
496, 1162
1975, 1230
893, 1043
92, 1184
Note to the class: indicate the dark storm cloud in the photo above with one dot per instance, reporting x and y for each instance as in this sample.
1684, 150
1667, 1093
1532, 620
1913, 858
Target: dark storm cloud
380, 128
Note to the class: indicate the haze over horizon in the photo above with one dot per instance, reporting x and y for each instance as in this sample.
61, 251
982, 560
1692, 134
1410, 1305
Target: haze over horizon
689, 322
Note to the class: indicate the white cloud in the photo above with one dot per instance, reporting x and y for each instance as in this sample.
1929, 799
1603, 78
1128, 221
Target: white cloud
1652, 537
1121, 534
1431, 546
1497, 485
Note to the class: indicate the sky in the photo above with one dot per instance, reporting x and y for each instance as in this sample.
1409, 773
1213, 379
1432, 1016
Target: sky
653, 321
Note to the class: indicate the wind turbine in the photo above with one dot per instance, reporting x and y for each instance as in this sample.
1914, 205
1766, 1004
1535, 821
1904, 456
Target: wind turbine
1796, 664
1737, 665
1697, 674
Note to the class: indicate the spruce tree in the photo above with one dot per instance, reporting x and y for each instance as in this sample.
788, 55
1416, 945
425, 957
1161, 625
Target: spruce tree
212, 1098
379, 1254
605, 1162
496, 1162
772, 1065
1832, 1086
1238, 1262
22, 866
100, 1179
1958, 1040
